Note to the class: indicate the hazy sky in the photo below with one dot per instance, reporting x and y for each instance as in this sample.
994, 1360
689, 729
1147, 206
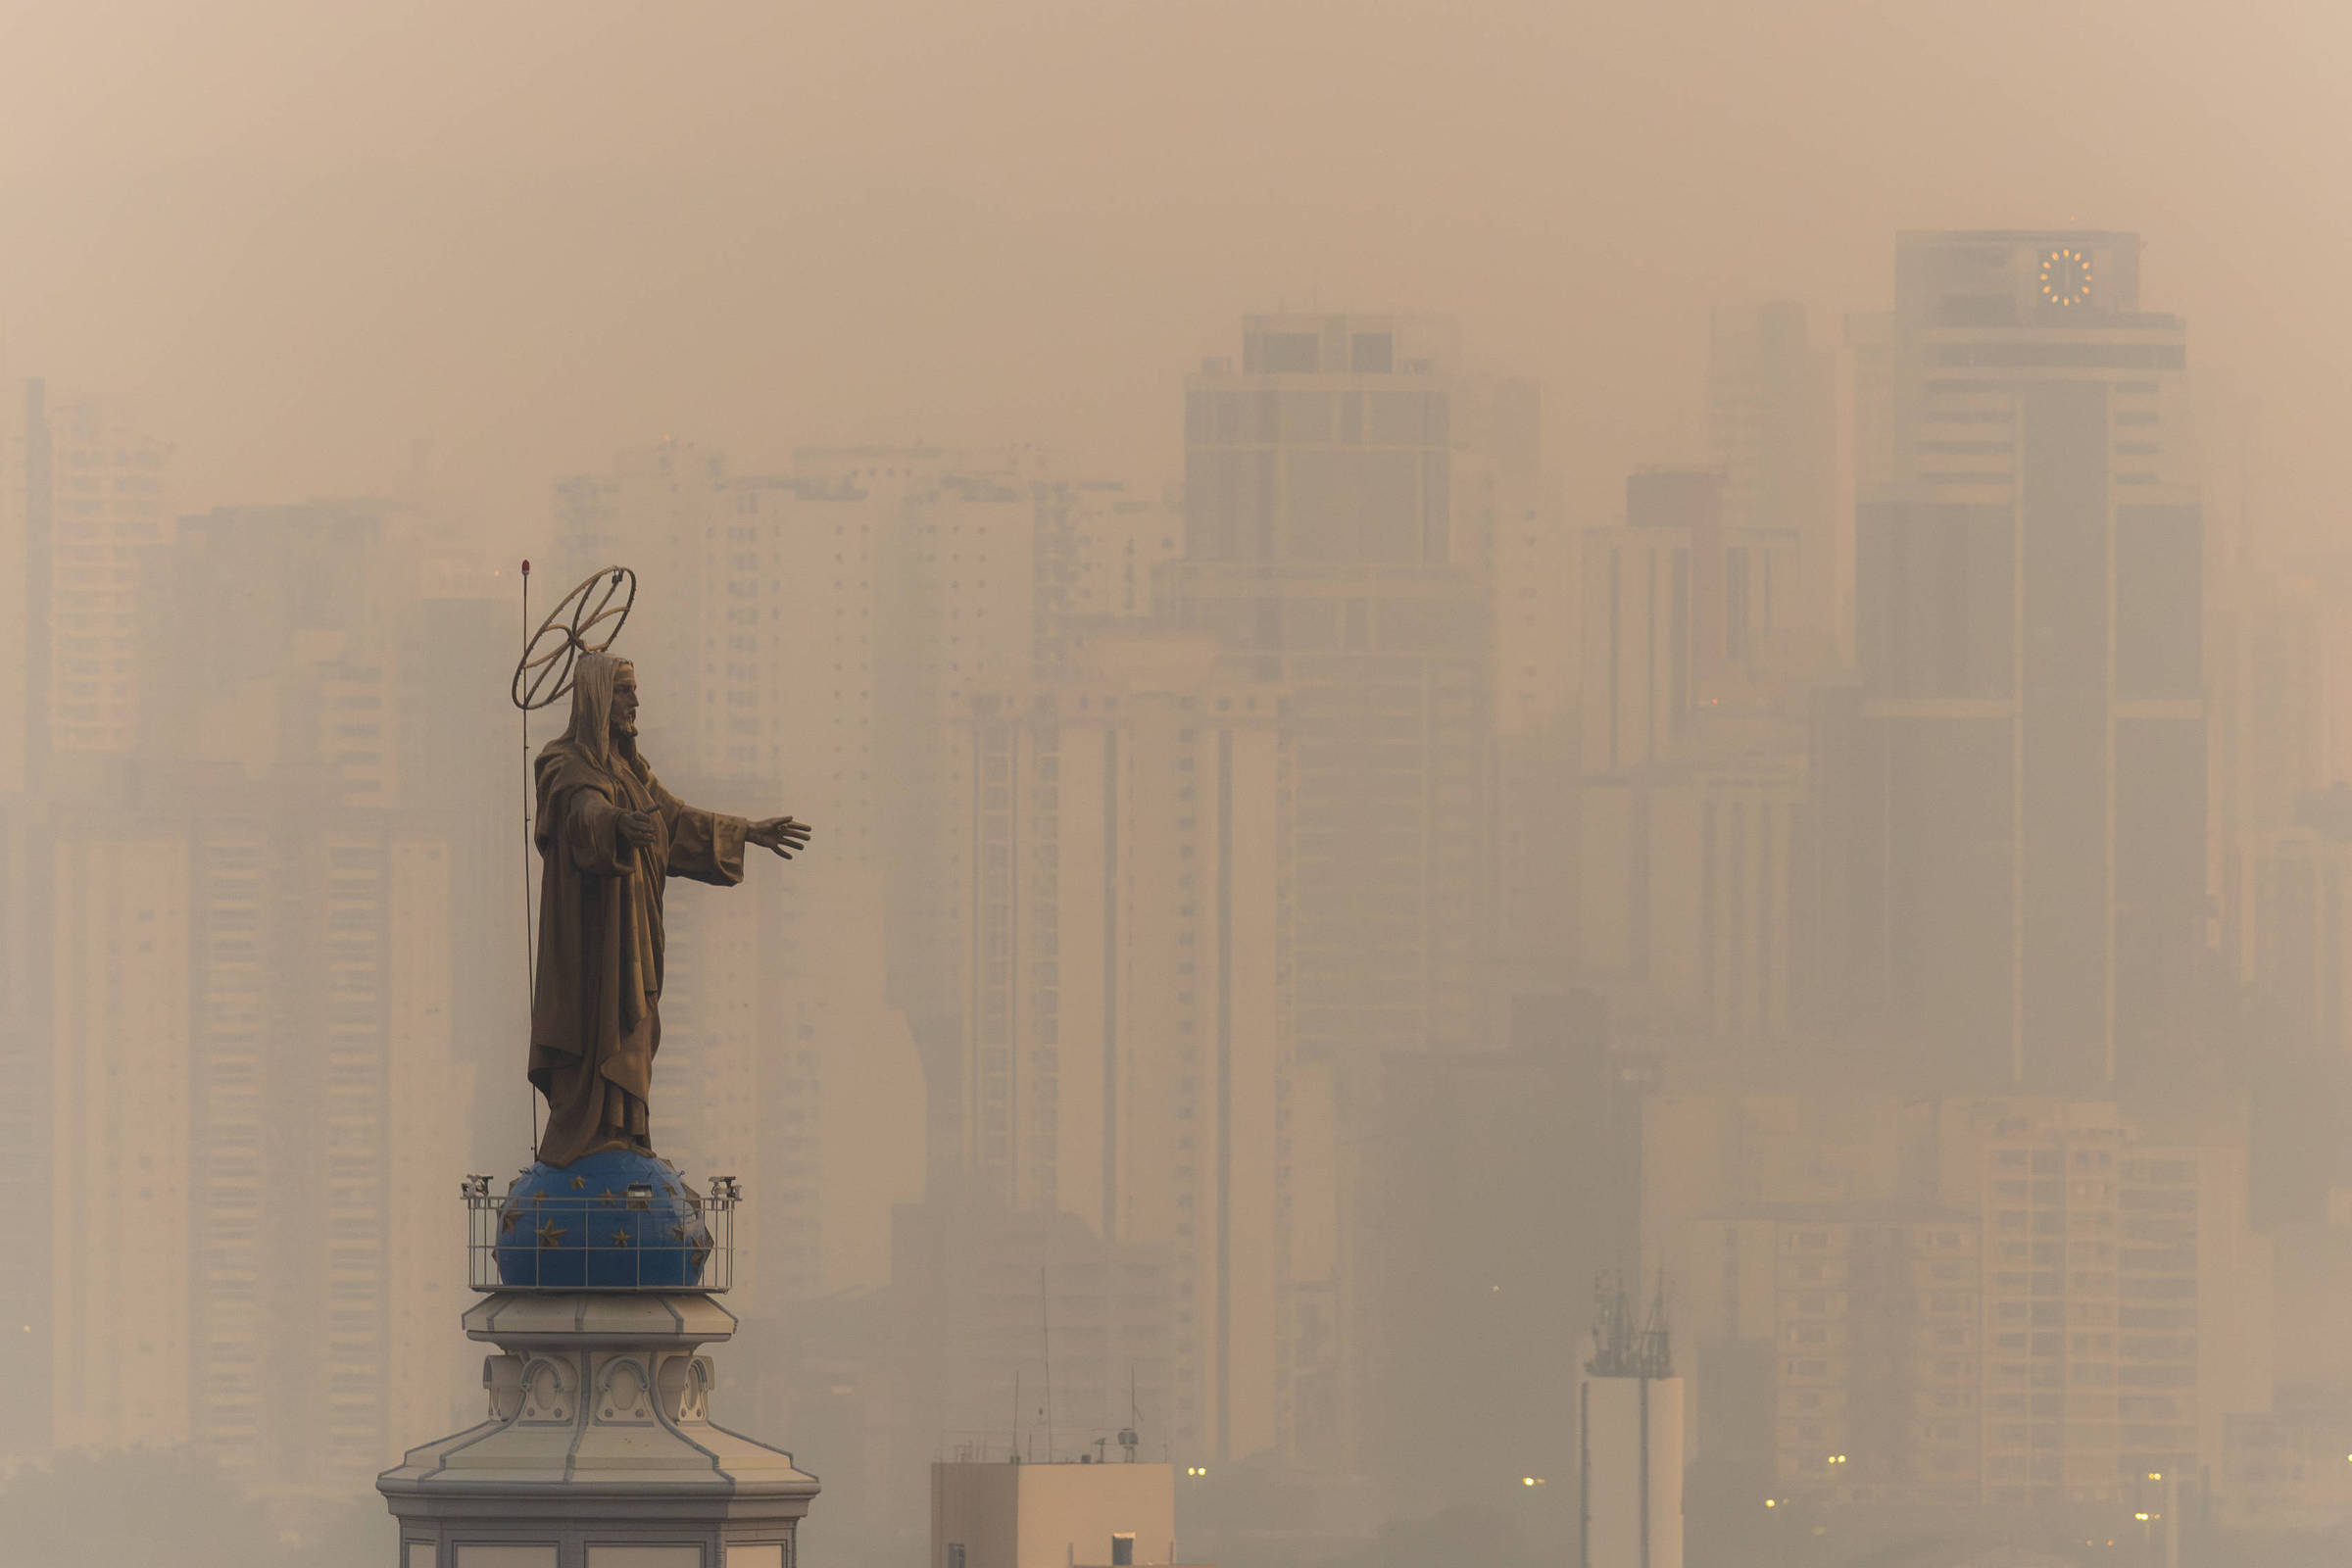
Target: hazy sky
296, 236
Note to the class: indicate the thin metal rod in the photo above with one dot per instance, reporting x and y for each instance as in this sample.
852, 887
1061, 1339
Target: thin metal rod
530, 938
1045, 1344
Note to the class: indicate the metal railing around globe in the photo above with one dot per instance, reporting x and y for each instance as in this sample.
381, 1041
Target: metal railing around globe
550, 1232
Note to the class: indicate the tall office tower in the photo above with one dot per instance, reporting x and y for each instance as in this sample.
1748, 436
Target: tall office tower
1327, 548
1128, 1053
2299, 942
1688, 914
1770, 396
2029, 811
1534, 616
1675, 626
81, 497
1654, 625
2279, 656
1692, 800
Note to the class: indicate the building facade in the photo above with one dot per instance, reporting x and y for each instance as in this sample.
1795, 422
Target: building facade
2030, 816
1328, 548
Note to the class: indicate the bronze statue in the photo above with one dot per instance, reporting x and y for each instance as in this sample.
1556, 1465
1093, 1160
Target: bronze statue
609, 836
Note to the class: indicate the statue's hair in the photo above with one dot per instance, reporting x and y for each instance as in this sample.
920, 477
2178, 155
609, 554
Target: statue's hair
592, 681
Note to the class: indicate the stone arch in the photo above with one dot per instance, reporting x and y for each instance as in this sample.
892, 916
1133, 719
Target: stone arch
623, 1394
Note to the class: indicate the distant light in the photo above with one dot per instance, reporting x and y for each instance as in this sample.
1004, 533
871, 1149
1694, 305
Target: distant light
1531, 1481
1772, 1502
2142, 1517
2158, 1475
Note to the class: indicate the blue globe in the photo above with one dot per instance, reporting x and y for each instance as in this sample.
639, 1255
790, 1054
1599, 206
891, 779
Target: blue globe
617, 1220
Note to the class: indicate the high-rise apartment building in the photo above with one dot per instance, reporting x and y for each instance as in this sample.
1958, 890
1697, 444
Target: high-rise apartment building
1328, 548
1653, 617
1690, 916
800, 634
1129, 1055
82, 497
118, 1191
2028, 834
1990, 1301
257, 1016
1770, 395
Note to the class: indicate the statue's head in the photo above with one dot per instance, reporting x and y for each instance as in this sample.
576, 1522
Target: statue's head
604, 707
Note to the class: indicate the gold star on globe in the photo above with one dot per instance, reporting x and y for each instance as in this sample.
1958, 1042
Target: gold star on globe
621, 1238
551, 1234
580, 1184
507, 1220
608, 1198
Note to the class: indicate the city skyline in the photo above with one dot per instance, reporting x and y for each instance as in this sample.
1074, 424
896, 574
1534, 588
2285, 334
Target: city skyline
1563, 812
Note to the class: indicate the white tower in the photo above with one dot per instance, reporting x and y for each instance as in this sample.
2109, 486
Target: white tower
1630, 1426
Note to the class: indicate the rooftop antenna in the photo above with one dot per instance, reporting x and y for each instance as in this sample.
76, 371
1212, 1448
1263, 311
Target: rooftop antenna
1129, 1441
1624, 1347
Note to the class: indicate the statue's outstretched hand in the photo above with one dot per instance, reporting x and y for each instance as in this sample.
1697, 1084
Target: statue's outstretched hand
779, 833
637, 827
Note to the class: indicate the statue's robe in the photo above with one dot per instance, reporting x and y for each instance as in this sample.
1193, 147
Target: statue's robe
596, 1018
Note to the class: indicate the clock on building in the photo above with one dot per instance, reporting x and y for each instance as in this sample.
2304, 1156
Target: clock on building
2066, 277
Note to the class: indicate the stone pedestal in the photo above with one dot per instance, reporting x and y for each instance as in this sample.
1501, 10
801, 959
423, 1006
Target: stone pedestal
600, 1452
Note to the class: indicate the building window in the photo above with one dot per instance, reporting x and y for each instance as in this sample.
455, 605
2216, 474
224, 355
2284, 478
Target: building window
1122, 1550
955, 1554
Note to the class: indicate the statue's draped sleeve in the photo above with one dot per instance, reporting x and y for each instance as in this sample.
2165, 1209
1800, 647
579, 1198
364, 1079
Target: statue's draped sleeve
706, 846
589, 825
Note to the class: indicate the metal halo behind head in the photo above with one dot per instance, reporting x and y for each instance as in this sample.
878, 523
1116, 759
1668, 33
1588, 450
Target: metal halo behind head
585, 620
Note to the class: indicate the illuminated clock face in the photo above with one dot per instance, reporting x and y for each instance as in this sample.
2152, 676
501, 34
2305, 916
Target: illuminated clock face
2066, 279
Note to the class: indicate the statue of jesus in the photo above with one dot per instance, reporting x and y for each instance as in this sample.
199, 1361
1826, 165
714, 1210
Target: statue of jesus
609, 836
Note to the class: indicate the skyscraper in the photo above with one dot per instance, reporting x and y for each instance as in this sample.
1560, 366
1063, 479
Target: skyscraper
2029, 821
1128, 1048
1769, 396
82, 494
1327, 548
320, 927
